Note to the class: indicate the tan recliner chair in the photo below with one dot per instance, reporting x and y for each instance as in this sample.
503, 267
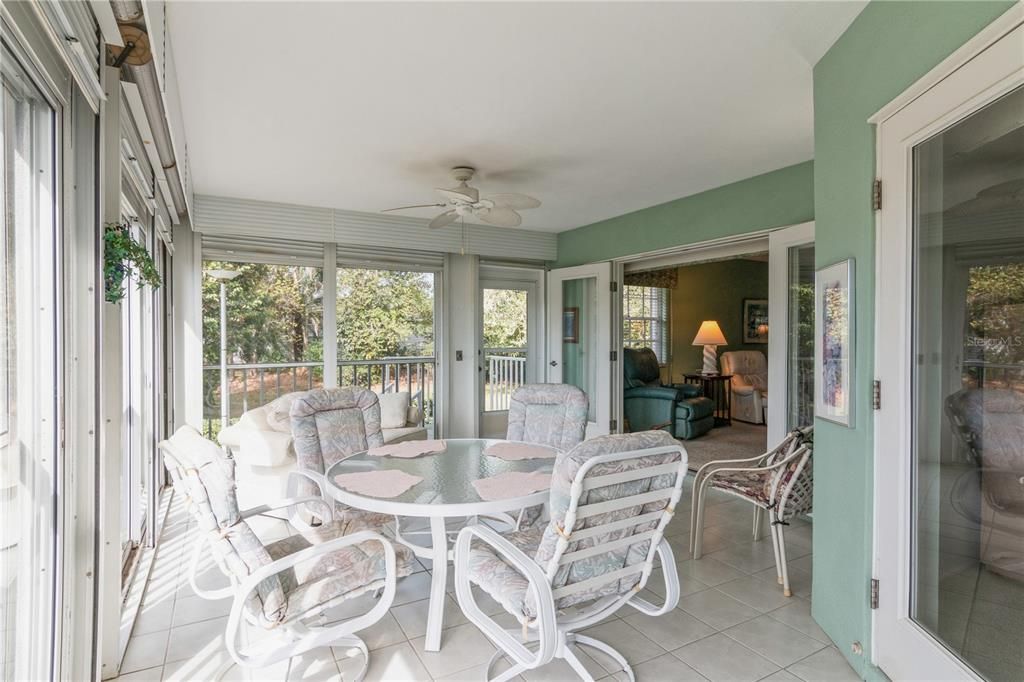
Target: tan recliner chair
749, 370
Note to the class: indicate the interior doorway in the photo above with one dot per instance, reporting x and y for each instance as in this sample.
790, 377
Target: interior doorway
731, 321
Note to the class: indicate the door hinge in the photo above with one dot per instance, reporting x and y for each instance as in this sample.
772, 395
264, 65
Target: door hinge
613, 425
614, 356
876, 394
613, 286
874, 593
876, 195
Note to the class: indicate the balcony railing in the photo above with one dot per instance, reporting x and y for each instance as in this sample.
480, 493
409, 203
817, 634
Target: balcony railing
252, 385
504, 372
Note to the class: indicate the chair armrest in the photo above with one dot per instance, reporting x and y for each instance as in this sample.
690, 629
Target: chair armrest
263, 448
671, 575
538, 586
742, 389
689, 390
249, 586
652, 392
292, 491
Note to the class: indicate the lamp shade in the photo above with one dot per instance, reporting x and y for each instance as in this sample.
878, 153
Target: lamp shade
709, 334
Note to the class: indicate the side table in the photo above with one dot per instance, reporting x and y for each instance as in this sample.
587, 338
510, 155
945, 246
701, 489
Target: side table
717, 387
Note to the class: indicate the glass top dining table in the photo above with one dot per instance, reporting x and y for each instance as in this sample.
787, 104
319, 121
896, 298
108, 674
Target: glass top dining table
446, 492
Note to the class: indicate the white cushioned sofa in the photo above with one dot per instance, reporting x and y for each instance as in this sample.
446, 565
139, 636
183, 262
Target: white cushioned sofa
261, 442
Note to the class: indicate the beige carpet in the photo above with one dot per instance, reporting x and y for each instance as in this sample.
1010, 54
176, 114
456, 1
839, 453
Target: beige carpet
727, 442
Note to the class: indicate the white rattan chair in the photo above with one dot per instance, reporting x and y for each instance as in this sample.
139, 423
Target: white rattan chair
611, 498
780, 483
281, 590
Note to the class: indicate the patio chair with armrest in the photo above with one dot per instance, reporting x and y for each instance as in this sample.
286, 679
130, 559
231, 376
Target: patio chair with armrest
281, 590
611, 499
779, 483
329, 425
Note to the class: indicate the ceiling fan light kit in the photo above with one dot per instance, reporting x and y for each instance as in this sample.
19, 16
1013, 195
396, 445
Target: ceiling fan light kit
464, 202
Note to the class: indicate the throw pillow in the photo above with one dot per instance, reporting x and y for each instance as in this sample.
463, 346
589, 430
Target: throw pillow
394, 407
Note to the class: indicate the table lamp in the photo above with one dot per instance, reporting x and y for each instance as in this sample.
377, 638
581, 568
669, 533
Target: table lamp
710, 336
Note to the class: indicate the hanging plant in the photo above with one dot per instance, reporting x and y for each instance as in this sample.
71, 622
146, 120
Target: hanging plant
124, 258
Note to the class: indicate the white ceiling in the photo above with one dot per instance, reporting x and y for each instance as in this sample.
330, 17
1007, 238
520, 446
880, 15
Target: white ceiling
597, 109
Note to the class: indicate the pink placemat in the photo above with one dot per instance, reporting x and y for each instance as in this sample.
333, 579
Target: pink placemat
409, 449
384, 483
515, 451
511, 484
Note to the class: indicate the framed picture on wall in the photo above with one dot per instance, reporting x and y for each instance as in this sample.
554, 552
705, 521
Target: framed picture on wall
570, 325
755, 320
833, 349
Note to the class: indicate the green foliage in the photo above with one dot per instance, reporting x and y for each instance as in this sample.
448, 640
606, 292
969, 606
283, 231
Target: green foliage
124, 258
384, 313
995, 313
274, 314
504, 317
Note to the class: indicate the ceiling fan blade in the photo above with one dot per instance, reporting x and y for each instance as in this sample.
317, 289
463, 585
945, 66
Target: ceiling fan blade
462, 195
500, 216
516, 201
446, 218
403, 208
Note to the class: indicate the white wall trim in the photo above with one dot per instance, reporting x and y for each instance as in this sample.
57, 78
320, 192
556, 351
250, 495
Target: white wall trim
748, 242
1009, 20
226, 215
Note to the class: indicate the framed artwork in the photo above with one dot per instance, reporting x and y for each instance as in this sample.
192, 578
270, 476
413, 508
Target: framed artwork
833, 350
570, 325
755, 320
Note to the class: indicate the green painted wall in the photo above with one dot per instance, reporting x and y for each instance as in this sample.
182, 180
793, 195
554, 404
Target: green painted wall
888, 47
713, 291
781, 197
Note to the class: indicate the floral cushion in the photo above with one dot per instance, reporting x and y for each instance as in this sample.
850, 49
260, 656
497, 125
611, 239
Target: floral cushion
329, 425
501, 581
334, 577
566, 467
755, 485
548, 414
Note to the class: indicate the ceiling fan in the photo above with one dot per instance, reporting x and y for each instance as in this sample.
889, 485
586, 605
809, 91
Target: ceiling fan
465, 201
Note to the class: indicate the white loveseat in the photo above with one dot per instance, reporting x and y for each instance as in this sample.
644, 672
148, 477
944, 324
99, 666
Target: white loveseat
261, 442
749, 370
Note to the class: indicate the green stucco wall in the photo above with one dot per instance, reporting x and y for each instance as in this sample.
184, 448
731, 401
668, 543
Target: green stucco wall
713, 291
781, 197
888, 47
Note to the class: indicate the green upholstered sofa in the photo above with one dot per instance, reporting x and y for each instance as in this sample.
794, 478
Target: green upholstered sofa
681, 409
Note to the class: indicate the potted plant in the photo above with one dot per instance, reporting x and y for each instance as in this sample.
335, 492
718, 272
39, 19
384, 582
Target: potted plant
125, 258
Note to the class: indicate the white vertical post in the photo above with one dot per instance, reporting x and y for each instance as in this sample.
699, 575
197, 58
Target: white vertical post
330, 299
225, 393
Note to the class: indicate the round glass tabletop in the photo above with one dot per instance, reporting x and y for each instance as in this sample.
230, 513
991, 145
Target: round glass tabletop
447, 485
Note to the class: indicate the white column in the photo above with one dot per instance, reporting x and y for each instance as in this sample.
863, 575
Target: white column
330, 299
462, 305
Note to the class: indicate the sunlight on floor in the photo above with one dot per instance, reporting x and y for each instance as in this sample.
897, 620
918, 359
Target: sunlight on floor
732, 623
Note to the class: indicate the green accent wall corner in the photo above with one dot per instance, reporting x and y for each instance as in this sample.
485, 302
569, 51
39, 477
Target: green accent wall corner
775, 199
885, 50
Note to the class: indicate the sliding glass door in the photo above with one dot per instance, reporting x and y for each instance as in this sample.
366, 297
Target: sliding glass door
28, 375
791, 330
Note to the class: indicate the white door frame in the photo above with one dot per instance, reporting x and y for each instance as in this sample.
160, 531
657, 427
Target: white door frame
600, 396
987, 67
779, 243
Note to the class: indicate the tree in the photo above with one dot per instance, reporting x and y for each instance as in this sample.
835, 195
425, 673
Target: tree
384, 313
504, 318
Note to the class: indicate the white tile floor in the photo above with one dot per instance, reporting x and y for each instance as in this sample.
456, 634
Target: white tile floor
732, 622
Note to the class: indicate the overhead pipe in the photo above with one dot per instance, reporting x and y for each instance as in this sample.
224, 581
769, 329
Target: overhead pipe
136, 62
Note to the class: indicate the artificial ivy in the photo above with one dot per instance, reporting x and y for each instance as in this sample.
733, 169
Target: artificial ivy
125, 258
